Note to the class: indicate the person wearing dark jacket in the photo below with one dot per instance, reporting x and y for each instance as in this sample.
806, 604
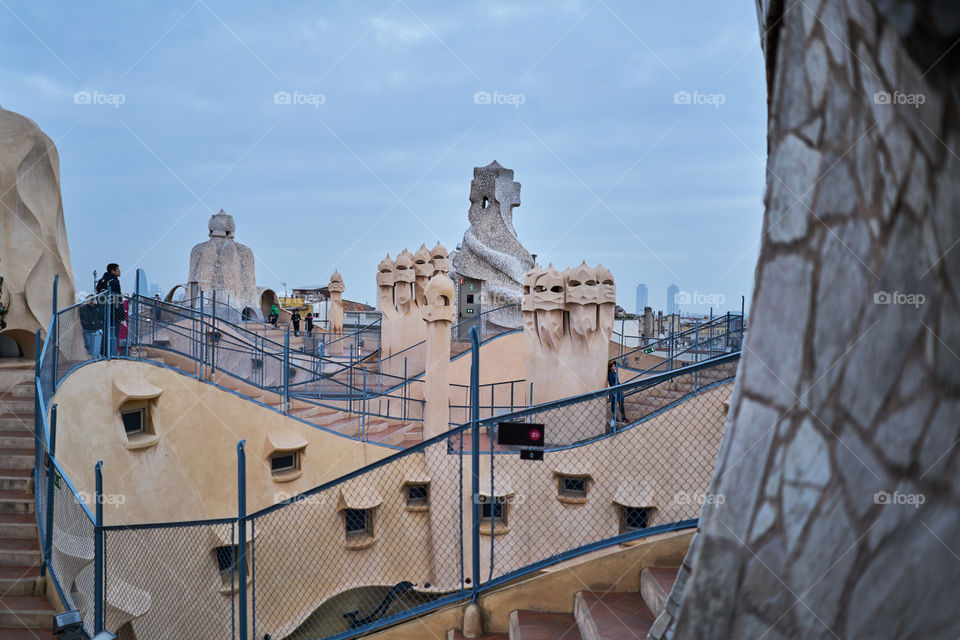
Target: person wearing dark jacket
295, 319
91, 322
616, 399
309, 320
108, 288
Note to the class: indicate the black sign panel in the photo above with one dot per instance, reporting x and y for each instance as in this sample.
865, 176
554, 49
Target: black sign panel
531, 454
524, 434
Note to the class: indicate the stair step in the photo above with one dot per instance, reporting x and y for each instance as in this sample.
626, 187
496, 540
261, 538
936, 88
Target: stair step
655, 586
18, 581
20, 552
14, 482
540, 625
22, 440
10, 423
17, 405
456, 634
16, 458
612, 615
16, 502
29, 634
24, 611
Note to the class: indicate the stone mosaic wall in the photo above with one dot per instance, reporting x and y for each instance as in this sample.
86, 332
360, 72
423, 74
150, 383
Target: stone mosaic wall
840, 467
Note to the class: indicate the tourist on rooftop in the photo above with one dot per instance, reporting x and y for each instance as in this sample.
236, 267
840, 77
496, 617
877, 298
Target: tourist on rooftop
295, 319
91, 321
109, 287
309, 320
274, 314
616, 399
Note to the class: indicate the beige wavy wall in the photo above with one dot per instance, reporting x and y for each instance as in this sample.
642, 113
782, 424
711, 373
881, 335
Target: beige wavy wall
33, 237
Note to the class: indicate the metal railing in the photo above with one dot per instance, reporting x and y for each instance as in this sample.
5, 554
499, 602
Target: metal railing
408, 534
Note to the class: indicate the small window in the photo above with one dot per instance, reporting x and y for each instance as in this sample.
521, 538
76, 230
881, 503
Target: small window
573, 486
634, 518
418, 495
357, 522
227, 565
572, 489
469, 298
285, 462
134, 420
494, 514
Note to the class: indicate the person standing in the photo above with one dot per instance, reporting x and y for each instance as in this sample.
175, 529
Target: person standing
616, 399
309, 320
295, 319
91, 322
108, 286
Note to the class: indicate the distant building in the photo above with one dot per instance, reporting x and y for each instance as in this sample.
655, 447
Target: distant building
642, 294
672, 292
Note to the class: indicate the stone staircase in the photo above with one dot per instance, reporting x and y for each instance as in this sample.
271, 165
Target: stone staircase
25, 611
646, 401
596, 615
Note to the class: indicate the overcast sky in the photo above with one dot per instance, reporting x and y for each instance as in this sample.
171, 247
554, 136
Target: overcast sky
335, 132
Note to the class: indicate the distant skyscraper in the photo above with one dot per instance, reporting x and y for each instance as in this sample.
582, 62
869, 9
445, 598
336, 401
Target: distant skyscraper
641, 298
672, 292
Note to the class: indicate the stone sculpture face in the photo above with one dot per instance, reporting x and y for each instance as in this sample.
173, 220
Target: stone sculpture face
385, 272
440, 259
548, 292
582, 285
404, 267
336, 283
608, 290
405, 277
529, 284
422, 266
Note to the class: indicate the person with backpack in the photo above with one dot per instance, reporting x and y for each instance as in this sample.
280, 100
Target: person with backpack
274, 315
309, 320
108, 290
295, 319
91, 323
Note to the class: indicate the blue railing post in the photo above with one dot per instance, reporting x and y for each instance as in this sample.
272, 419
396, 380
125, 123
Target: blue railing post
38, 384
202, 342
108, 325
363, 408
286, 369
404, 388
54, 336
133, 328
98, 592
242, 537
213, 332
696, 342
51, 469
475, 459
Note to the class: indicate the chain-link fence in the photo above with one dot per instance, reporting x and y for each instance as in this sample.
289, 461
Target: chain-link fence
396, 538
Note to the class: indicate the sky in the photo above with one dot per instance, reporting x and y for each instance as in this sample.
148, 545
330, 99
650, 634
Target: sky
336, 132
